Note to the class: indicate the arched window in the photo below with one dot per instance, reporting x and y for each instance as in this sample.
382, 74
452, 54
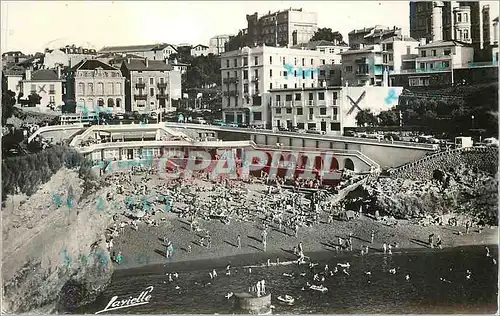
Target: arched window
100, 102
119, 88
91, 88
80, 106
90, 104
111, 103
81, 88
100, 88
118, 103
110, 89
349, 164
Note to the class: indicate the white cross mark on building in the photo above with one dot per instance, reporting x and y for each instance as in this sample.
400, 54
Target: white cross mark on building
355, 104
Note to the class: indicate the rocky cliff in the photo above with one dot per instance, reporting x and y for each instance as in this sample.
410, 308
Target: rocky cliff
54, 253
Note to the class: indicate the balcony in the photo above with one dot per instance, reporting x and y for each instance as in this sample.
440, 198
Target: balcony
162, 85
140, 97
140, 85
162, 96
298, 103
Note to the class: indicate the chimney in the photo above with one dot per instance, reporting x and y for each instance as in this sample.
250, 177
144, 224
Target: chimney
58, 72
422, 41
146, 61
28, 74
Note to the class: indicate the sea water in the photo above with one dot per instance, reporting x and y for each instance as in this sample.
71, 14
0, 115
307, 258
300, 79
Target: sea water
437, 284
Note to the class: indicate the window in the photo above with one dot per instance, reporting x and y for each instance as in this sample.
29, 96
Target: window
303, 61
256, 60
284, 61
390, 57
295, 85
312, 62
295, 61
321, 96
408, 49
245, 88
256, 74
465, 18
227, 63
278, 111
311, 96
322, 73
52, 89
447, 52
235, 62
433, 52
348, 68
332, 72
384, 58
270, 86
288, 110
140, 80
424, 53
335, 95
81, 88
285, 73
270, 73
300, 111
459, 17
288, 97
52, 99
312, 76
303, 75
322, 111
285, 86
245, 74
100, 88
152, 92
431, 65
91, 88
323, 61
270, 60
300, 125
245, 61
151, 81
298, 96
118, 88
389, 46
111, 88
335, 127
466, 34
295, 73
278, 98
311, 112
422, 65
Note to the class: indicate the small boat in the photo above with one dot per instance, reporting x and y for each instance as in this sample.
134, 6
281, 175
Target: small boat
229, 295
319, 288
288, 275
287, 299
344, 265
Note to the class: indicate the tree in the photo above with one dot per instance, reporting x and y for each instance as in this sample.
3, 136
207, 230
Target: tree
236, 42
203, 72
326, 34
366, 117
34, 99
8, 101
389, 118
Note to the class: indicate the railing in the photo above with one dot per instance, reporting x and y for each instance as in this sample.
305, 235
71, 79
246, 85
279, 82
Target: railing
321, 103
140, 97
298, 103
162, 85
140, 85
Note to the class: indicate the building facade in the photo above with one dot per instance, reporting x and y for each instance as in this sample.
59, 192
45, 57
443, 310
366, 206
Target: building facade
200, 50
67, 56
249, 73
151, 52
494, 41
151, 85
14, 76
450, 20
96, 86
47, 83
9, 59
282, 28
217, 44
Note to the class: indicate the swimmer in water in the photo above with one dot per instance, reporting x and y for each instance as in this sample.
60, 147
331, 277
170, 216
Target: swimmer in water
345, 271
335, 270
469, 274
214, 273
170, 278
268, 262
368, 273
407, 277
392, 271
488, 252
249, 270
326, 267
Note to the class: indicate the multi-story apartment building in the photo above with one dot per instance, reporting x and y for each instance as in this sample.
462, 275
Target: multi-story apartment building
449, 20
366, 66
200, 50
67, 56
96, 86
47, 83
151, 85
309, 108
331, 49
282, 28
152, 52
371, 36
443, 55
217, 44
249, 73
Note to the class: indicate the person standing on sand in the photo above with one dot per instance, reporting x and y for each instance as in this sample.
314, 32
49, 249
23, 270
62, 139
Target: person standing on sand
439, 242
296, 230
467, 227
431, 240
239, 242
258, 289
384, 246
373, 236
263, 286
390, 249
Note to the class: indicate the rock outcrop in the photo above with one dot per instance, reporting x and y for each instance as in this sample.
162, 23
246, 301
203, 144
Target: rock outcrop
54, 253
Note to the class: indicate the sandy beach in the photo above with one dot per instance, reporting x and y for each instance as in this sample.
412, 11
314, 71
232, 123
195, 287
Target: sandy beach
145, 246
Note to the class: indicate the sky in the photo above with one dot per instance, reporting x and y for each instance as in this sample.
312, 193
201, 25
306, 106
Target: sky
31, 26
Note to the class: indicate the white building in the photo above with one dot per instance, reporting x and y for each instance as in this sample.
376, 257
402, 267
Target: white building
217, 44
443, 55
96, 84
200, 50
47, 83
249, 73
330, 49
14, 76
152, 52
67, 56
328, 109
151, 85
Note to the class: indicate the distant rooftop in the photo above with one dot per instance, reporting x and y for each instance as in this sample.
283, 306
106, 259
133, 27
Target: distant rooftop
445, 43
92, 64
44, 75
152, 65
312, 45
396, 38
134, 48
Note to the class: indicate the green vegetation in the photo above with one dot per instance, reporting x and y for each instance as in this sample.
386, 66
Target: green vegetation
326, 34
24, 174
